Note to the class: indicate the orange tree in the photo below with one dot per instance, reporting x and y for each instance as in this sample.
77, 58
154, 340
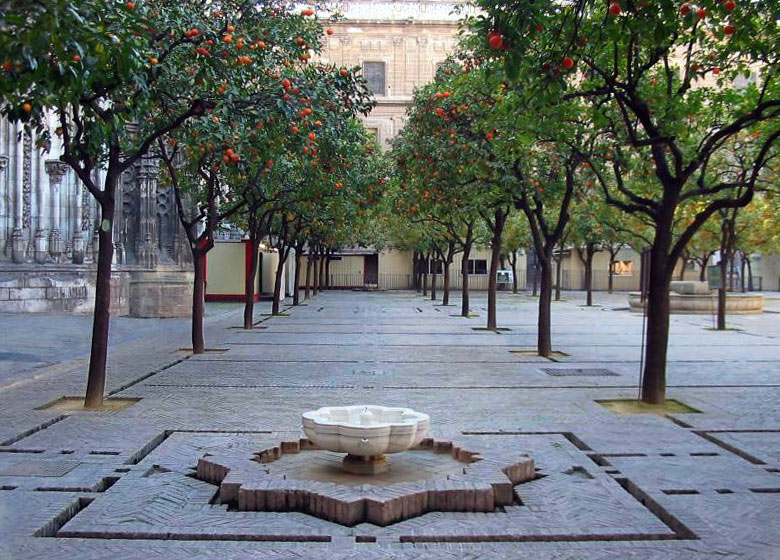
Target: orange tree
433, 206
587, 231
220, 163
759, 234
297, 153
538, 150
448, 148
118, 77
617, 235
416, 232
349, 219
518, 149
329, 196
669, 83
734, 222
517, 236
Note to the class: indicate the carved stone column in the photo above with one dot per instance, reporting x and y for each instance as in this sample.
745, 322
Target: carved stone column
146, 248
21, 201
27, 145
79, 243
4, 187
56, 170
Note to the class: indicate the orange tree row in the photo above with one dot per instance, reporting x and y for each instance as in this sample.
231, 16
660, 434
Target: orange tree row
668, 86
476, 150
187, 78
270, 163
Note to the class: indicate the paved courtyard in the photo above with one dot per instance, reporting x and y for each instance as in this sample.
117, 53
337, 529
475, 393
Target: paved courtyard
122, 483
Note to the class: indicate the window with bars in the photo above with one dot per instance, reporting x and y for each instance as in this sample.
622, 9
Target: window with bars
374, 72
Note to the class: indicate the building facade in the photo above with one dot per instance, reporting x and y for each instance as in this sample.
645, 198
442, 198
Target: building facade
398, 46
48, 241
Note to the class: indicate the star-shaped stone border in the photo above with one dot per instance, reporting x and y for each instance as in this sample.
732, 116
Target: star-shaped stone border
486, 483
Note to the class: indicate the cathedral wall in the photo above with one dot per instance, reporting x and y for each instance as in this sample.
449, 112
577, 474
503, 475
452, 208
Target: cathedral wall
48, 245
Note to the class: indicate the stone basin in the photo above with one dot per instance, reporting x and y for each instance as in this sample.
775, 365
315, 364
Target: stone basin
705, 304
365, 433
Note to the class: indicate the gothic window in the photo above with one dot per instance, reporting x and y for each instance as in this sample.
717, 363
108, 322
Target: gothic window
374, 72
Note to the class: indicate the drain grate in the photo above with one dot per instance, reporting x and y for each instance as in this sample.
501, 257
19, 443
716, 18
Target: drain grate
579, 372
39, 468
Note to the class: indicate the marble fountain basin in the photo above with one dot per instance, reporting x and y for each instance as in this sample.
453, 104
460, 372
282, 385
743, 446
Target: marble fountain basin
365, 433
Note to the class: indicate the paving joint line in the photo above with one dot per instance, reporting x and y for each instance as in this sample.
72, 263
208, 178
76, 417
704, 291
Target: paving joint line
31, 431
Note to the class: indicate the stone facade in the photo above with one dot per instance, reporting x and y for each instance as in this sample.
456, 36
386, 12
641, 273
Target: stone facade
48, 241
398, 45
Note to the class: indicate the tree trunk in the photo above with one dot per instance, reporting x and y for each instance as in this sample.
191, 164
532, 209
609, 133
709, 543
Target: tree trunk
536, 274
425, 266
322, 270
249, 284
316, 273
492, 322
464, 272
327, 271
544, 336
417, 272
657, 341
589, 252
283, 253
558, 273
433, 280
513, 262
726, 258
742, 282
307, 291
297, 277
731, 266
198, 298
722, 293
703, 271
445, 296
611, 272
750, 273
495, 262
96, 378
644, 274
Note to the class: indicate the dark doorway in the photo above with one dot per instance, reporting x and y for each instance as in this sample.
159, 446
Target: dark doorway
371, 270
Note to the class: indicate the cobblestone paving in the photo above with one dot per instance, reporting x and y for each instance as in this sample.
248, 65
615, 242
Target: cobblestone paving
120, 484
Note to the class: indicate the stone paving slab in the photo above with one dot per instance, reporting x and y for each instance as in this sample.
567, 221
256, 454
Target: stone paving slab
604, 475
228, 373
476, 354
764, 446
469, 337
722, 473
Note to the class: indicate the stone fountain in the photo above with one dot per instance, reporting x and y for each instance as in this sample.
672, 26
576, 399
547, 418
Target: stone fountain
689, 297
365, 433
304, 475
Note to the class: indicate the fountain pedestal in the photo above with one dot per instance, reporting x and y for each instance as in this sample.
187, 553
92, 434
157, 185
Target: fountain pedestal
365, 464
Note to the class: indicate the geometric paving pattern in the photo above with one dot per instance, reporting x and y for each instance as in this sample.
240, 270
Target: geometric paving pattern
38, 468
569, 500
121, 483
579, 372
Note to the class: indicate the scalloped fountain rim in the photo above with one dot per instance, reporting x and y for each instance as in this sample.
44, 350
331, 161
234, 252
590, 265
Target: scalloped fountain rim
349, 417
